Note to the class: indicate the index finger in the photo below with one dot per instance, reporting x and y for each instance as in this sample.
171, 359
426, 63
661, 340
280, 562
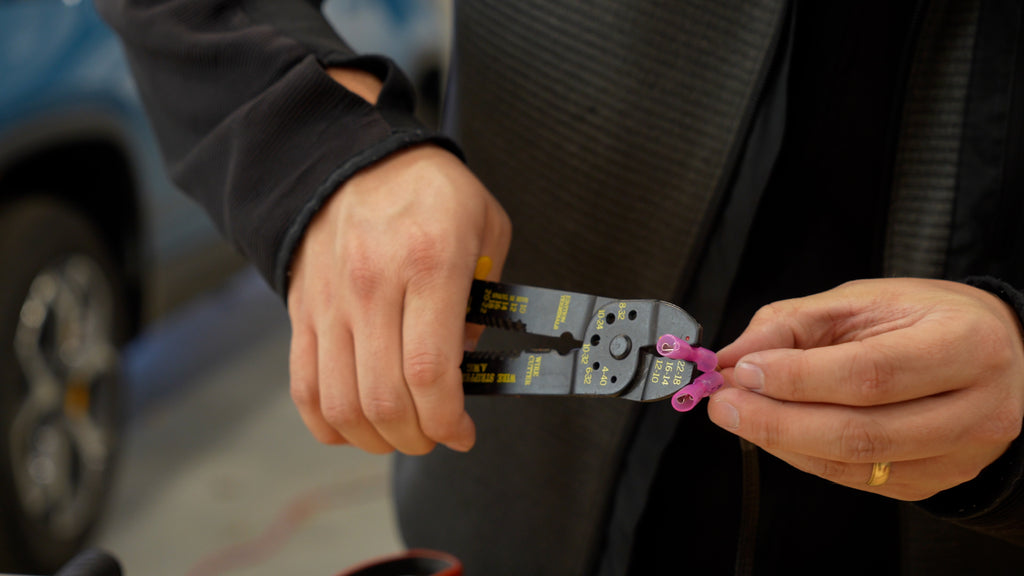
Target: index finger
840, 433
883, 369
433, 339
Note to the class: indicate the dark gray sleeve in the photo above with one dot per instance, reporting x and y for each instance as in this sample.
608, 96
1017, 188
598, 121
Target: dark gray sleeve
249, 122
993, 502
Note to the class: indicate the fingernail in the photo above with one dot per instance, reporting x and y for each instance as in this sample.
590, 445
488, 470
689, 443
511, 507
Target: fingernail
467, 435
726, 415
460, 445
748, 376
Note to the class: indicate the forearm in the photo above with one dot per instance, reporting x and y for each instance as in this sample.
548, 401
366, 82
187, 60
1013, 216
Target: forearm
250, 121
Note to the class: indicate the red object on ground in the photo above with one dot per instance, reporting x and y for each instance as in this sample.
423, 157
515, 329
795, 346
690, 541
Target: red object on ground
410, 563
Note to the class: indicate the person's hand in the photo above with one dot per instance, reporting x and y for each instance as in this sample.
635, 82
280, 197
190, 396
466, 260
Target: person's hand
377, 301
925, 374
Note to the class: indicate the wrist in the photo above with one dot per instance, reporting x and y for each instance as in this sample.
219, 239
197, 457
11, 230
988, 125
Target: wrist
359, 82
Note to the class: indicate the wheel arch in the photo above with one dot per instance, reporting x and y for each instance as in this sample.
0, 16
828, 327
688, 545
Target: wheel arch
88, 166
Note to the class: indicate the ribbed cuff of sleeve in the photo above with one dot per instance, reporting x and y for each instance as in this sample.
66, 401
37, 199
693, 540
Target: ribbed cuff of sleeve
265, 171
293, 235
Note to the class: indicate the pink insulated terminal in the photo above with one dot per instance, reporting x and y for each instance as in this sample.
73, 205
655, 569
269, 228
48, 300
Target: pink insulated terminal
671, 347
704, 385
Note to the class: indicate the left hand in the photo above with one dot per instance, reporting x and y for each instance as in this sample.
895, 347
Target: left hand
926, 374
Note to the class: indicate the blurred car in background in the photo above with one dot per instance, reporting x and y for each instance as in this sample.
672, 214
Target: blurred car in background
96, 244
413, 33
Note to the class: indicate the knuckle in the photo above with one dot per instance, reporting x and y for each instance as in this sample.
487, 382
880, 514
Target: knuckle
960, 474
770, 312
873, 373
365, 279
308, 293
365, 276
427, 256
440, 429
793, 377
858, 443
424, 368
872, 384
384, 411
768, 434
780, 314
341, 415
1003, 424
832, 470
304, 393
1000, 357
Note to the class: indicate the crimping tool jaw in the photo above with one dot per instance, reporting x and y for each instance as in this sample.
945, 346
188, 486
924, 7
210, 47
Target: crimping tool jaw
617, 338
671, 346
626, 350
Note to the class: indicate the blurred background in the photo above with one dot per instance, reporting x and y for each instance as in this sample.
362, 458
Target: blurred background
144, 402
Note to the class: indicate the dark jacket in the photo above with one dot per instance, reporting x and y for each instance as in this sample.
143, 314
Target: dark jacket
719, 154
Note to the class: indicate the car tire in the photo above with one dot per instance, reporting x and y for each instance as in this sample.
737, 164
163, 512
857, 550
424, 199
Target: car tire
63, 322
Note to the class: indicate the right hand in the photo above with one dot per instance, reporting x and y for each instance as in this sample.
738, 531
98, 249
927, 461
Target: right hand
377, 301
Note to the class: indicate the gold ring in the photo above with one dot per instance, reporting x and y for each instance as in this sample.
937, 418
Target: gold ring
879, 473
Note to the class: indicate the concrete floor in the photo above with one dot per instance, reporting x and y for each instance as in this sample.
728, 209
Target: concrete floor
219, 475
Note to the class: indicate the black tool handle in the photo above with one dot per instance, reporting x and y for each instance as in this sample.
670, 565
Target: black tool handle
540, 311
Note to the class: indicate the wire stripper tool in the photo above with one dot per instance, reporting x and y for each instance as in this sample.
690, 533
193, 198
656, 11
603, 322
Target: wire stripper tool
642, 350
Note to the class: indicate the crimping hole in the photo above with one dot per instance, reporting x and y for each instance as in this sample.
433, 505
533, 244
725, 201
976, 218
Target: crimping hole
684, 403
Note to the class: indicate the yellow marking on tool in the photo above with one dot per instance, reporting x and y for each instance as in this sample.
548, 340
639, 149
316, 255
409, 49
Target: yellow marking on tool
483, 268
563, 310
532, 368
478, 378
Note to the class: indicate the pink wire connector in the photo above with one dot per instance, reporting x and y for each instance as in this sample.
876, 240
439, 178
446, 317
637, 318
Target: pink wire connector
704, 385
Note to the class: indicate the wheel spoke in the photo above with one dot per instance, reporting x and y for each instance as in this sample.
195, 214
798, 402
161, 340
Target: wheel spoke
31, 346
66, 349
92, 442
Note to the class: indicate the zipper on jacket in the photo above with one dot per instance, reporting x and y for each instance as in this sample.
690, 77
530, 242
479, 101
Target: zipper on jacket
892, 139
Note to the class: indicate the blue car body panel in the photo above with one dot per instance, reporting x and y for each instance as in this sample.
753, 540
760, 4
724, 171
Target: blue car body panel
63, 76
